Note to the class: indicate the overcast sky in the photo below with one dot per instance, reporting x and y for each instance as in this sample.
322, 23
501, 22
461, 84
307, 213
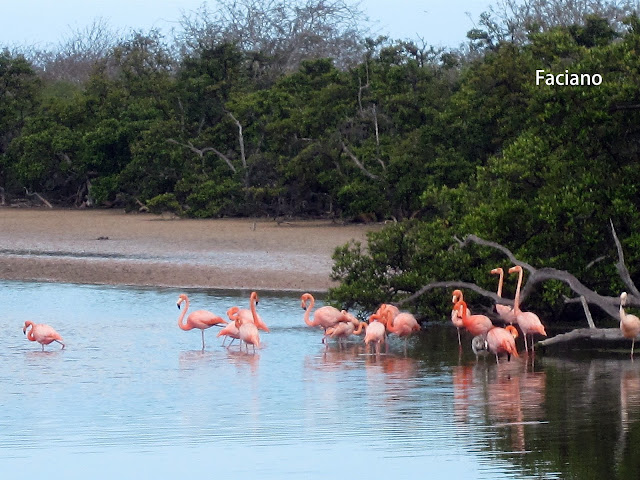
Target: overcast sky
47, 22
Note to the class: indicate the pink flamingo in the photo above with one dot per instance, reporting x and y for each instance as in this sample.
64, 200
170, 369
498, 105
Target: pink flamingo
230, 329
201, 319
529, 322
376, 331
246, 315
392, 309
41, 333
248, 331
343, 329
475, 324
504, 311
324, 317
502, 340
403, 325
456, 318
629, 324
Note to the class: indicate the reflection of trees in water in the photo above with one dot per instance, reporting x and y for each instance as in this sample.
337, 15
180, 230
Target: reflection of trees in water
593, 407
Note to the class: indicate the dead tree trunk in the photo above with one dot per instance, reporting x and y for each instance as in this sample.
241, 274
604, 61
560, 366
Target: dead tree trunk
583, 293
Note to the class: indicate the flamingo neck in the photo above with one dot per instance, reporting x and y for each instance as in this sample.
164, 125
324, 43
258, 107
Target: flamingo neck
307, 313
516, 300
500, 283
361, 326
184, 325
253, 310
29, 332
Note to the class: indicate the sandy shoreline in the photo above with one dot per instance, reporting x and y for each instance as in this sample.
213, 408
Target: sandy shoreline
111, 247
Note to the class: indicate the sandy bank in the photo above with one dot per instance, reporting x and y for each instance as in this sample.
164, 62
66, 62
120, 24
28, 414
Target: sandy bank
111, 247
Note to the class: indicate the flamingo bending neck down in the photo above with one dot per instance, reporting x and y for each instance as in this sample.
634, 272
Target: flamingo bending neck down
201, 319
41, 333
230, 329
629, 324
502, 340
376, 332
505, 312
475, 324
529, 322
324, 317
403, 325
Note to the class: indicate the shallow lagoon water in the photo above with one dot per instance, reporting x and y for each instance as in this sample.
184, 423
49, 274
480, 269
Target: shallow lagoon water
133, 396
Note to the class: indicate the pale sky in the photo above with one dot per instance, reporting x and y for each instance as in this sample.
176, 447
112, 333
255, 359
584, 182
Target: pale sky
47, 22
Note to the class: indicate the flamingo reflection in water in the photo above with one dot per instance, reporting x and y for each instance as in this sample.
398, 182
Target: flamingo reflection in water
507, 395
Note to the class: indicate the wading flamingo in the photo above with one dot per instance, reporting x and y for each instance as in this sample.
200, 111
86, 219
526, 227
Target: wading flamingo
629, 324
456, 318
502, 340
246, 315
376, 331
504, 311
248, 331
529, 322
230, 329
324, 317
479, 345
342, 329
41, 333
475, 324
403, 325
392, 309
201, 319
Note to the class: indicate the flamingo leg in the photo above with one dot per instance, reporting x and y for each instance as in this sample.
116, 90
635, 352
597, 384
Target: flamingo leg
633, 341
459, 341
202, 338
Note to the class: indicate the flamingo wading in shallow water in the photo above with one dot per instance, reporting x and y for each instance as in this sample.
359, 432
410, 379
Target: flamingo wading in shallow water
475, 324
529, 322
248, 331
324, 317
505, 312
456, 318
502, 340
41, 333
201, 319
629, 324
246, 315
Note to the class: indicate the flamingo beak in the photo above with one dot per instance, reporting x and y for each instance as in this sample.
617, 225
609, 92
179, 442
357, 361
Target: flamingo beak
24, 330
178, 306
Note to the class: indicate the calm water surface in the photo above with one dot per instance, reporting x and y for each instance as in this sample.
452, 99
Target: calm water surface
133, 396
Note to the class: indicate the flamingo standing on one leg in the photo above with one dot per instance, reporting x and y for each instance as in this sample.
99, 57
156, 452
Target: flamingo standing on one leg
504, 311
230, 329
502, 340
201, 319
324, 317
246, 315
41, 333
475, 324
529, 322
629, 324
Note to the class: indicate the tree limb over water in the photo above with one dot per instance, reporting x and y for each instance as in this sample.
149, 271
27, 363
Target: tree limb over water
538, 275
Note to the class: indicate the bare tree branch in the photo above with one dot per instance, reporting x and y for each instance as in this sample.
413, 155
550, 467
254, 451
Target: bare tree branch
357, 162
201, 152
620, 265
608, 304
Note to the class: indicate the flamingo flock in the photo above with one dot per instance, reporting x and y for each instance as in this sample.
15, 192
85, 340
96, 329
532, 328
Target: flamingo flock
494, 339
339, 325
